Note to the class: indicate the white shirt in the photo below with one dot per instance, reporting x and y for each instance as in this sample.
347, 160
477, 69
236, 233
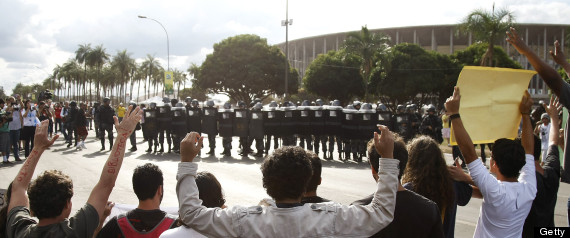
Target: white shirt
31, 119
15, 124
181, 232
544, 135
505, 204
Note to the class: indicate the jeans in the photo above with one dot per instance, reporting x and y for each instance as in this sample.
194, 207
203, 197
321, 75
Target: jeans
14, 139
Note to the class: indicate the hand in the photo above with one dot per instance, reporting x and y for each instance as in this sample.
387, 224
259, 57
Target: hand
190, 146
517, 41
452, 103
384, 143
129, 122
526, 103
41, 140
456, 172
108, 209
558, 54
553, 109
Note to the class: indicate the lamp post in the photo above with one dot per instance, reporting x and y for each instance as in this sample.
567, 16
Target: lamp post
286, 23
167, 41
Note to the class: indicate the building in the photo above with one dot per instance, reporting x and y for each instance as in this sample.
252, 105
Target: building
441, 38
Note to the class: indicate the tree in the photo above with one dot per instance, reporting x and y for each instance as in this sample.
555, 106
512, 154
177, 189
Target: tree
334, 75
97, 58
150, 65
487, 27
368, 46
245, 67
472, 55
125, 65
415, 75
81, 56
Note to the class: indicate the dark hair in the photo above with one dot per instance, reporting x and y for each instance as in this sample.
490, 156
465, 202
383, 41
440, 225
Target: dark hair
49, 194
400, 153
210, 190
317, 167
147, 179
2, 101
427, 172
509, 156
537, 148
286, 173
4, 211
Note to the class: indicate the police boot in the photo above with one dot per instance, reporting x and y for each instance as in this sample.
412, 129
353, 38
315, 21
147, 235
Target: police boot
211, 152
259, 153
161, 148
155, 147
149, 148
169, 149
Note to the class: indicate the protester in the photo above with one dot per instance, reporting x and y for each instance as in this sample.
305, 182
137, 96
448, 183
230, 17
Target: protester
57, 114
412, 209
105, 115
50, 193
426, 174
30, 121
310, 195
147, 219
4, 132
286, 173
210, 192
121, 111
15, 125
508, 197
80, 124
542, 130
64, 118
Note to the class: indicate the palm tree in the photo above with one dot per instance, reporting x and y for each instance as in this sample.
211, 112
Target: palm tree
97, 58
124, 65
81, 56
150, 66
367, 46
57, 74
487, 27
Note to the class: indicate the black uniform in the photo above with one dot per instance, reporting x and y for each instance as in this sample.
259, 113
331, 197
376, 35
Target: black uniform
288, 124
241, 129
178, 127
210, 126
272, 126
194, 119
106, 121
225, 123
317, 128
303, 121
431, 124
150, 125
164, 120
350, 132
333, 128
256, 130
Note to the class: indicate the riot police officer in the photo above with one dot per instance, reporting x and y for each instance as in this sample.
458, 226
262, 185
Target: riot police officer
384, 117
401, 122
303, 127
333, 127
194, 118
366, 127
178, 127
318, 127
272, 125
225, 121
241, 127
415, 119
350, 131
210, 124
107, 122
151, 126
288, 124
164, 122
133, 136
431, 123
256, 129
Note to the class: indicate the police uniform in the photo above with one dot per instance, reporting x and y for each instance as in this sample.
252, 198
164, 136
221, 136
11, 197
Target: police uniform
151, 126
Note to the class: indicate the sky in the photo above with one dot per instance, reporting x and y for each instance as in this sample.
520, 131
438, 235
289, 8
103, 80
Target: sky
37, 35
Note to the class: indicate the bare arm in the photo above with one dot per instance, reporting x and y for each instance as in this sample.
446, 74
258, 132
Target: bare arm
463, 139
559, 58
102, 190
527, 137
553, 109
476, 192
457, 173
20, 184
550, 76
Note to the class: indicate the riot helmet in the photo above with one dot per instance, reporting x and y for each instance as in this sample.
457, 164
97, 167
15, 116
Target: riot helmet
227, 105
306, 103
165, 99
356, 104
273, 104
336, 102
400, 108
195, 103
179, 104
366, 106
152, 105
210, 103
241, 104
381, 107
319, 102
173, 101
431, 108
258, 106
188, 100
350, 106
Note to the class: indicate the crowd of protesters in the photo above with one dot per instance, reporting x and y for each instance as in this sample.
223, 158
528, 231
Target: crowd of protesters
416, 195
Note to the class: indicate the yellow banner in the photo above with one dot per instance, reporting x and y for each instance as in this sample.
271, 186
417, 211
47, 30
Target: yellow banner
169, 82
490, 99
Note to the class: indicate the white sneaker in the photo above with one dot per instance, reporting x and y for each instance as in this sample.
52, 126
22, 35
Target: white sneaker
78, 146
83, 145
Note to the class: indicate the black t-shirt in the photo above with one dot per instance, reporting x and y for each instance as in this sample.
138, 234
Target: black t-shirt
414, 216
542, 211
315, 199
142, 220
106, 114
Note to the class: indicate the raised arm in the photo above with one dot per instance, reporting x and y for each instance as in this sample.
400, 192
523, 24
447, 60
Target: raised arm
560, 58
553, 109
20, 184
100, 193
550, 76
527, 137
463, 139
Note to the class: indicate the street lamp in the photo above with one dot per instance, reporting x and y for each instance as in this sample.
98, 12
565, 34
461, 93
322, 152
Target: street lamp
286, 24
167, 41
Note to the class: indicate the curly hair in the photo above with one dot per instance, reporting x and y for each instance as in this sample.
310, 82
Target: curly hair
210, 190
49, 194
317, 166
400, 153
286, 173
147, 179
427, 172
509, 156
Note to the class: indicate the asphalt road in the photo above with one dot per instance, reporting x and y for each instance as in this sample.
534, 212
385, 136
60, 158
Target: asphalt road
240, 178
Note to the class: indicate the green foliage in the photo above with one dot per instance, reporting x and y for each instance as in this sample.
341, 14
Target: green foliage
414, 72
245, 67
335, 75
473, 55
